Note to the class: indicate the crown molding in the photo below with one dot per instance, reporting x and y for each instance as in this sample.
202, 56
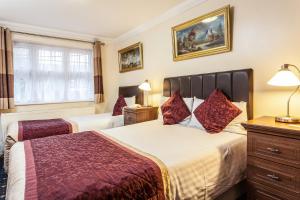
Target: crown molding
176, 10
52, 32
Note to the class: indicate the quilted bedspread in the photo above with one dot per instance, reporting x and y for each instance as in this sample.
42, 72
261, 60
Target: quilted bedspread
89, 166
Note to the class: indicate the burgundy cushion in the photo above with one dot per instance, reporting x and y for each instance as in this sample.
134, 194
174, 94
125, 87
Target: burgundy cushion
216, 112
119, 106
174, 110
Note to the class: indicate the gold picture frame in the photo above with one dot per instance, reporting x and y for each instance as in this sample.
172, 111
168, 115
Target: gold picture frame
205, 35
131, 58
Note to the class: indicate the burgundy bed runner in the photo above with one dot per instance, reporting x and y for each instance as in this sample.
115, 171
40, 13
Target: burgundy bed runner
31, 129
88, 166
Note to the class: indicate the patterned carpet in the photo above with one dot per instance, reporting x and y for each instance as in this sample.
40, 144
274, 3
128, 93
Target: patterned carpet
3, 179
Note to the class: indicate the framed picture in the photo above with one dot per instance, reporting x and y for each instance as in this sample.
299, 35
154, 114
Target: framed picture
205, 35
131, 58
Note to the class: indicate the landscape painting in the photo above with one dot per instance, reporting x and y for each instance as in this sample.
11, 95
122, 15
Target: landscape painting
131, 58
205, 35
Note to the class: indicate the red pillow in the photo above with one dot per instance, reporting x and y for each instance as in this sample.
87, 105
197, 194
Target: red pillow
174, 110
216, 112
119, 106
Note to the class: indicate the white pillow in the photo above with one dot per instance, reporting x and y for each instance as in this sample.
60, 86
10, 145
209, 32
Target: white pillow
243, 117
194, 121
163, 99
130, 101
189, 104
235, 125
187, 101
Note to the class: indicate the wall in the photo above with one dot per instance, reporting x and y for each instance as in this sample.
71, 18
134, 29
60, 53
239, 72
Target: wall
265, 35
110, 78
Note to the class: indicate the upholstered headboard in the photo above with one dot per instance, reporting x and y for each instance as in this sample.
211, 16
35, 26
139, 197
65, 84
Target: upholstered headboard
237, 85
129, 91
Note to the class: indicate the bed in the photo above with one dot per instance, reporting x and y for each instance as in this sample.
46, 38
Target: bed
193, 163
76, 124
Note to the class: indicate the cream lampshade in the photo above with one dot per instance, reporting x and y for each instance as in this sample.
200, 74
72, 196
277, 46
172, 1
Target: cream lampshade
145, 86
285, 77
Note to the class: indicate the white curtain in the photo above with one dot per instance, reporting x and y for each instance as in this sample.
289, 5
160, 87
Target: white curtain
52, 74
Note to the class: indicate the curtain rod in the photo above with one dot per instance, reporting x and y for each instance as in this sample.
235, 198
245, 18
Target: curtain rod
55, 37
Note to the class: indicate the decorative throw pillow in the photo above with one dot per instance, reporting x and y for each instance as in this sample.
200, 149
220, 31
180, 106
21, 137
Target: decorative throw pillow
119, 106
174, 110
216, 112
189, 103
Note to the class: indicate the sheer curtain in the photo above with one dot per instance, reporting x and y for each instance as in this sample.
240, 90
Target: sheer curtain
51, 74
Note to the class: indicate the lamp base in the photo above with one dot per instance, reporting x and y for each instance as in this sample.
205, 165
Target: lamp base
287, 119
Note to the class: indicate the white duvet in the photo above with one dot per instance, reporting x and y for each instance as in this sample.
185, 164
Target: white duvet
200, 165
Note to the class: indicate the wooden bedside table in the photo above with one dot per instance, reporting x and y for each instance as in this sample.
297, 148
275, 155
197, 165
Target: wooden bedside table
137, 115
273, 167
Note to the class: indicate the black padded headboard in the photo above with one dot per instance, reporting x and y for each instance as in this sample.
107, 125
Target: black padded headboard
236, 84
129, 91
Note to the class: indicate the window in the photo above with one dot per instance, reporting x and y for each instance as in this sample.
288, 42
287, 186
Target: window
50, 74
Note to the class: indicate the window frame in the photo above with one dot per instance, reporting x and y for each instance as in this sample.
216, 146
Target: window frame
64, 60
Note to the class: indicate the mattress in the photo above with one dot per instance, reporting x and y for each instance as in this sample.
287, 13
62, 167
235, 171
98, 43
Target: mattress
200, 165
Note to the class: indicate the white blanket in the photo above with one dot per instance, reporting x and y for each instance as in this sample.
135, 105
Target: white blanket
200, 165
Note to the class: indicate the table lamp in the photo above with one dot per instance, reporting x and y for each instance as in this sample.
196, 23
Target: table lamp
285, 77
145, 86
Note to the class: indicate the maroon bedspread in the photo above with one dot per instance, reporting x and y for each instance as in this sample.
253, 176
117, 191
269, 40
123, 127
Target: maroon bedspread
31, 129
88, 166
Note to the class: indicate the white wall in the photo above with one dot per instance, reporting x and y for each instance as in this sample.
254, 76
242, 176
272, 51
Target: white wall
110, 79
266, 34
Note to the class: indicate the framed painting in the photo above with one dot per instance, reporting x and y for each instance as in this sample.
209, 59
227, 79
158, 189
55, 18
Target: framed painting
205, 35
131, 58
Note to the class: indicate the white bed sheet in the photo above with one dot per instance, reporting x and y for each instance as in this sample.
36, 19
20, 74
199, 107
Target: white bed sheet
200, 165
97, 122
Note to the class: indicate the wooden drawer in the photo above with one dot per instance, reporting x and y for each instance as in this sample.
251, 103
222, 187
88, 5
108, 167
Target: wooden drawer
261, 192
130, 118
137, 115
274, 148
280, 177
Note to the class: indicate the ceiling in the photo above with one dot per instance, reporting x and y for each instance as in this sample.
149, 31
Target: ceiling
105, 18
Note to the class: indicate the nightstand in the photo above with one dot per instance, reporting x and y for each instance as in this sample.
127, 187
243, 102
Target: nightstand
137, 115
273, 168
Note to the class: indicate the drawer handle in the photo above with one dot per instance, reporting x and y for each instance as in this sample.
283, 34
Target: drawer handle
273, 177
273, 150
